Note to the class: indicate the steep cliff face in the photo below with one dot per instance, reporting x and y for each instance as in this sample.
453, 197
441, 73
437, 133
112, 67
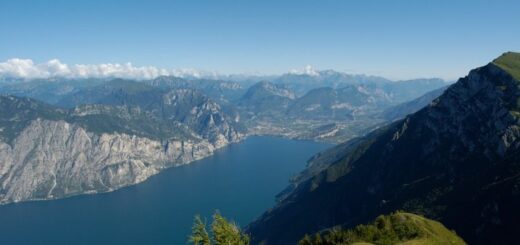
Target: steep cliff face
53, 159
48, 153
457, 161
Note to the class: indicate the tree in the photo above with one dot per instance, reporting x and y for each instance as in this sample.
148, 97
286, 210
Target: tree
223, 232
199, 235
226, 233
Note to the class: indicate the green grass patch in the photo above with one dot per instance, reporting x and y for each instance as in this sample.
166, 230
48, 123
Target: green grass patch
509, 62
396, 228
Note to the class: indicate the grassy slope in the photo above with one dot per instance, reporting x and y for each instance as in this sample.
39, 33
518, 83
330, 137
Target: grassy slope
401, 228
510, 62
435, 232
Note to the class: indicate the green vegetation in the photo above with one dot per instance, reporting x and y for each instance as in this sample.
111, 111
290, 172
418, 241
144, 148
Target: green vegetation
223, 232
199, 234
127, 120
396, 228
509, 62
17, 113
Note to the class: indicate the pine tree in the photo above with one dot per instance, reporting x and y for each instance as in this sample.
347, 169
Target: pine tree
199, 234
226, 233
223, 232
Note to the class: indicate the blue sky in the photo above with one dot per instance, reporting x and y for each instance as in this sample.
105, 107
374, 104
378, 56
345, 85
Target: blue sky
396, 39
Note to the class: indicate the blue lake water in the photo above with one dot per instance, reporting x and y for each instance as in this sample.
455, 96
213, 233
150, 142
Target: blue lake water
240, 180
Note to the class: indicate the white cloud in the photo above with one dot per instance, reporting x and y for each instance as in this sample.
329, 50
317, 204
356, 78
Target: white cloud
307, 70
27, 69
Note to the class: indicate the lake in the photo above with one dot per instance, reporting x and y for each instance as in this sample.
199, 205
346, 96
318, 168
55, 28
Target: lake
240, 180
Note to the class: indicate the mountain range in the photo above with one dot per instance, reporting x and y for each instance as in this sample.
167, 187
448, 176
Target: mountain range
338, 111
323, 105
62, 137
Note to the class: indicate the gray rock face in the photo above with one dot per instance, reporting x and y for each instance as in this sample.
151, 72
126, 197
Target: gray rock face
201, 114
49, 153
53, 159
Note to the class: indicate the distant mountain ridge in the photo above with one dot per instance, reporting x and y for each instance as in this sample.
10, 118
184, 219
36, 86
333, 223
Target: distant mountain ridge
403, 89
341, 103
299, 83
335, 114
401, 110
351, 95
265, 98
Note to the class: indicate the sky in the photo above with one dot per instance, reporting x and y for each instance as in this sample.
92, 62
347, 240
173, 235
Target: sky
395, 39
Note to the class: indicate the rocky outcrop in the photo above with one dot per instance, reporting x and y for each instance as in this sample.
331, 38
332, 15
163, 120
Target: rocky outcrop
204, 116
54, 159
49, 153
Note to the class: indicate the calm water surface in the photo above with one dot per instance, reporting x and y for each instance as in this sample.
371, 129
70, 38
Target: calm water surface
241, 181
